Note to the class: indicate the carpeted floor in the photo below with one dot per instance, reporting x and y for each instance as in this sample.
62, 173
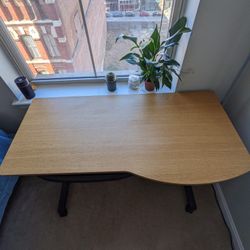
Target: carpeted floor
129, 214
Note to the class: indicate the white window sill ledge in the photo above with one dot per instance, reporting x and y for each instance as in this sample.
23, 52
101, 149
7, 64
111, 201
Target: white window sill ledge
70, 90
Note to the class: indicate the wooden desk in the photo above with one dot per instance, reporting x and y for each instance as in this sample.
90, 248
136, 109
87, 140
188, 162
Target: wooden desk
183, 138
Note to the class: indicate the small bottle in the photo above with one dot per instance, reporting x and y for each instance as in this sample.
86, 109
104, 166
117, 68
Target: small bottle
25, 87
111, 81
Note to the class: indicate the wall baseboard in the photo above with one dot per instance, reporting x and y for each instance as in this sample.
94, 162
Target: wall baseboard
237, 243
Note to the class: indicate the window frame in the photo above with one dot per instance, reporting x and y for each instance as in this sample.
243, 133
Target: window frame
22, 67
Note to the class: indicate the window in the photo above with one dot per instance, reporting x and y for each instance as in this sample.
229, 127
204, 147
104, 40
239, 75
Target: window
77, 37
49, 1
18, 3
43, 72
51, 45
13, 33
30, 44
5, 2
33, 32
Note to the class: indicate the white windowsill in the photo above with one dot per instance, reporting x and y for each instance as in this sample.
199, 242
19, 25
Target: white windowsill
22, 101
92, 89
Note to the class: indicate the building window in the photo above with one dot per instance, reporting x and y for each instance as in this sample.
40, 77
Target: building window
96, 51
34, 33
5, 2
49, 1
43, 72
30, 45
18, 3
51, 45
13, 33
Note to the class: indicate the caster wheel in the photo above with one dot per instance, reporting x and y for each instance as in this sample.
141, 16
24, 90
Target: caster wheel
63, 213
190, 209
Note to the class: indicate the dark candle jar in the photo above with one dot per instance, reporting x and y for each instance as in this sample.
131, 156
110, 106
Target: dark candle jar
111, 81
25, 87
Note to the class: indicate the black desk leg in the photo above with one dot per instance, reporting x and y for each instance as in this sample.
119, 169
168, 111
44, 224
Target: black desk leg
191, 203
62, 210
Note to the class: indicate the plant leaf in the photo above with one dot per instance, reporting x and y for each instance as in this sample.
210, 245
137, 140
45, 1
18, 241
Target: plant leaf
130, 56
166, 81
170, 45
171, 62
148, 49
132, 61
168, 75
157, 84
134, 47
177, 30
142, 64
185, 30
126, 37
150, 62
178, 25
174, 39
156, 38
175, 72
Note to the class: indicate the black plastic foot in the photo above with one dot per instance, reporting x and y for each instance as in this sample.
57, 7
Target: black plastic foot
62, 210
191, 203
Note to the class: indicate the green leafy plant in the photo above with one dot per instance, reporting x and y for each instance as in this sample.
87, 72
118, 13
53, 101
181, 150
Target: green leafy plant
154, 57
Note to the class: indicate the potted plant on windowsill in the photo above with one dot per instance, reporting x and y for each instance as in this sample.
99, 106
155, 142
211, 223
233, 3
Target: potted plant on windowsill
154, 57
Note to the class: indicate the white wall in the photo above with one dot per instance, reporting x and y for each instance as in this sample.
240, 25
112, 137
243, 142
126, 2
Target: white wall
219, 44
237, 104
218, 49
237, 191
8, 73
10, 116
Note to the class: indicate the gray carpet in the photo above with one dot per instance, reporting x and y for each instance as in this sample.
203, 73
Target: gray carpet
129, 214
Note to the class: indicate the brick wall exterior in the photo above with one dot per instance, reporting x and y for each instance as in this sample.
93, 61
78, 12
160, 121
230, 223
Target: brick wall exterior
57, 32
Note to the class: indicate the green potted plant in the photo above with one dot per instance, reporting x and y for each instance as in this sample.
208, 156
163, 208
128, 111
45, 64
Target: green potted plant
154, 57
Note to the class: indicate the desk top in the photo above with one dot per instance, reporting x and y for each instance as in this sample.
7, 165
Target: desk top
183, 138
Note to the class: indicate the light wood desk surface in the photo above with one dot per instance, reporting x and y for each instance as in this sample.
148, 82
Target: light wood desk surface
183, 138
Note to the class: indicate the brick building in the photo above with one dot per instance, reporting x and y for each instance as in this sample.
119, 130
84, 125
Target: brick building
50, 33
122, 5
133, 5
128, 5
112, 5
149, 5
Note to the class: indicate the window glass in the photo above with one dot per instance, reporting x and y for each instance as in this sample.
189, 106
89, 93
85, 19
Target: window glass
52, 38
134, 17
49, 35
